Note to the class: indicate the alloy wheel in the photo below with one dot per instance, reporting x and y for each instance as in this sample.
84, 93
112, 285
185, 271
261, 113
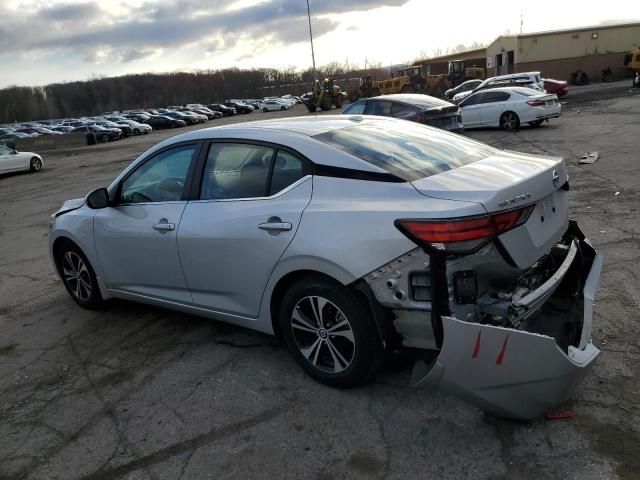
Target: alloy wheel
323, 334
36, 164
509, 121
76, 275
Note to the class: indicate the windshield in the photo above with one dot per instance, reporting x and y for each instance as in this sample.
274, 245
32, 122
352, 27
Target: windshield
409, 151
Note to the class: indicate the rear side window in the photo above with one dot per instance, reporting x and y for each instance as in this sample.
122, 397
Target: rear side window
378, 107
355, 109
236, 171
496, 97
401, 110
287, 169
409, 151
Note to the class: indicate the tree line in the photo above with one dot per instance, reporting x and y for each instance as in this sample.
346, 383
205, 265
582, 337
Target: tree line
148, 90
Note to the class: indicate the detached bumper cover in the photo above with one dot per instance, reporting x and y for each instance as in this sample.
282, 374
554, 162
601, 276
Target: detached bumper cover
514, 373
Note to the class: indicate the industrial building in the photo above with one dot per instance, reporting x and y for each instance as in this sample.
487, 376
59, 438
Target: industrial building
557, 53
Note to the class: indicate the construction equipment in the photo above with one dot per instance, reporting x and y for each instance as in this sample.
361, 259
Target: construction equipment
632, 62
459, 72
411, 80
367, 88
325, 95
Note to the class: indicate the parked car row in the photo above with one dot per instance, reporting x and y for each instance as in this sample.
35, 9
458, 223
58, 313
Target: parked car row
115, 125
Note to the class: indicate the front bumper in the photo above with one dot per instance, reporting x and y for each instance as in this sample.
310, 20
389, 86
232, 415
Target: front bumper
517, 373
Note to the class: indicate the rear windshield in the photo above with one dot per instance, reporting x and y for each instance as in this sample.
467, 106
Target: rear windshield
409, 151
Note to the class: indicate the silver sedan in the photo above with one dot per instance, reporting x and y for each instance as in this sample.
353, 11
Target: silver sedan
349, 237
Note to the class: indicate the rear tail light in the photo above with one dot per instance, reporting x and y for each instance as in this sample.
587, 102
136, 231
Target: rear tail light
535, 103
462, 235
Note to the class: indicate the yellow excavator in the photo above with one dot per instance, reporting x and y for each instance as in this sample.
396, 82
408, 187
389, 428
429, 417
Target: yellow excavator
367, 87
632, 62
325, 96
406, 80
459, 72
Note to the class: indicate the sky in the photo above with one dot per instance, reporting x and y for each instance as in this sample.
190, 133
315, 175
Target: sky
47, 41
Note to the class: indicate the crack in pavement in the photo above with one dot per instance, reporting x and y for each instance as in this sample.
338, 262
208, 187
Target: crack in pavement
189, 445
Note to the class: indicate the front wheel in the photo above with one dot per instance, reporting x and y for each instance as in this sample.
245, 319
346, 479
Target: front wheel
35, 165
330, 332
78, 276
136, 131
105, 138
509, 121
265, 110
283, 108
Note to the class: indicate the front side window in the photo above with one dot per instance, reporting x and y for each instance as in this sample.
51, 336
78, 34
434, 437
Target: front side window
4, 150
160, 179
236, 171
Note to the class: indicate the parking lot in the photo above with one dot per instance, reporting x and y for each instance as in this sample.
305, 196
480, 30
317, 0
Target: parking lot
137, 392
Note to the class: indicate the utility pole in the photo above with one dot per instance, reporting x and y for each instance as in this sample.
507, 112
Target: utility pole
313, 56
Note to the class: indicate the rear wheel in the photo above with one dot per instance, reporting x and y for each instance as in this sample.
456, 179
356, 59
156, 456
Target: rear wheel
78, 276
35, 165
265, 110
326, 103
509, 121
330, 332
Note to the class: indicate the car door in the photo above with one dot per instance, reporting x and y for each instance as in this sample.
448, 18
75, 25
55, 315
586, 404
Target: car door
10, 160
248, 205
470, 109
492, 107
136, 238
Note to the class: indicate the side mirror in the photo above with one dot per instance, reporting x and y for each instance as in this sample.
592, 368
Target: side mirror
98, 199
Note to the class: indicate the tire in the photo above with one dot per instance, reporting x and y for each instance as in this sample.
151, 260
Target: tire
509, 121
339, 101
78, 276
35, 165
265, 109
329, 350
104, 138
312, 107
282, 108
326, 103
537, 123
136, 131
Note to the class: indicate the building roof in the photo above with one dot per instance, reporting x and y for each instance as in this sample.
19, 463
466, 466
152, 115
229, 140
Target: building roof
478, 53
570, 30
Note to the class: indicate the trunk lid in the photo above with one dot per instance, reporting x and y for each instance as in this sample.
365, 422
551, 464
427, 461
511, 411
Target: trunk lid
509, 180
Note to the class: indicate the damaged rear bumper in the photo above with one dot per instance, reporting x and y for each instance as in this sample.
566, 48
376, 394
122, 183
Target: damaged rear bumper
523, 372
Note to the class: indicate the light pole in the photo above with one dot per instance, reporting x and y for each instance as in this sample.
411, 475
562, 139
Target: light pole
313, 56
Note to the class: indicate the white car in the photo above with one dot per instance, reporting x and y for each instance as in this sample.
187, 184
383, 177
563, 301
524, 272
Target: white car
271, 105
508, 108
13, 161
529, 80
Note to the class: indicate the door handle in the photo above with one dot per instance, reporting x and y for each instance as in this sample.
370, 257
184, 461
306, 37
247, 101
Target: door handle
164, 227
275, 226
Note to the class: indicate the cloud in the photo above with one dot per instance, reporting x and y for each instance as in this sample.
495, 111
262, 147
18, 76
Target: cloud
82, 12
90, 31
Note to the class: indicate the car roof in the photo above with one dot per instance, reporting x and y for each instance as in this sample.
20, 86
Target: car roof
529, 91
416, 99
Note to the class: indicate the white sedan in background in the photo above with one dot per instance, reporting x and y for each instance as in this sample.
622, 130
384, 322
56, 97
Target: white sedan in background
508, 108
270, 105
13, 161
